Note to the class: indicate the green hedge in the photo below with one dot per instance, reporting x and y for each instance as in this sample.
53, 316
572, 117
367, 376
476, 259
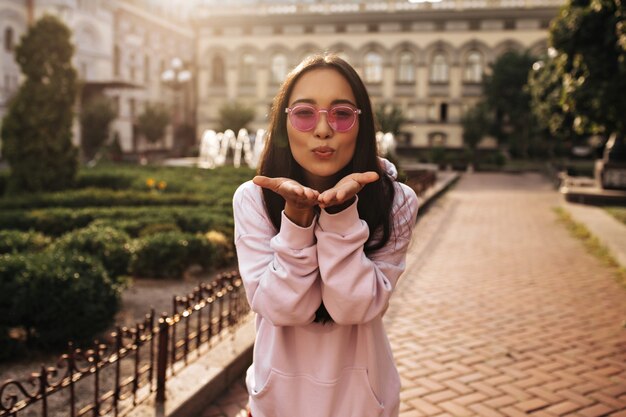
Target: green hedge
95, 197
14, 241
57, 221
111, 246
55, 297
167, 255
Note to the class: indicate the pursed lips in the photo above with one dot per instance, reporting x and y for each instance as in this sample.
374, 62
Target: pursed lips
323, 149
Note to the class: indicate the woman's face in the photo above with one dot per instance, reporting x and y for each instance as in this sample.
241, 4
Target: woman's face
322, 151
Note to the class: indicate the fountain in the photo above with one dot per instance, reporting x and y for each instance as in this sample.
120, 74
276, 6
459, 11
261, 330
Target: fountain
214, 148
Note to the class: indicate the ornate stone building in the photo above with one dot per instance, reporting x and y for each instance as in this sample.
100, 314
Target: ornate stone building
428, 57
121, 49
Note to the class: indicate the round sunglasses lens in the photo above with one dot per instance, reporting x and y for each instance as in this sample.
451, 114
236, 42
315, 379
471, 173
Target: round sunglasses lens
341, 118
303, 117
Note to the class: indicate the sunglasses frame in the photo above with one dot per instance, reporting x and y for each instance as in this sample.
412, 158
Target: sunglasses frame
354, 110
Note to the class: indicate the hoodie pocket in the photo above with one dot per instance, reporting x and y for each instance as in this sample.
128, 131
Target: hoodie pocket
285, 395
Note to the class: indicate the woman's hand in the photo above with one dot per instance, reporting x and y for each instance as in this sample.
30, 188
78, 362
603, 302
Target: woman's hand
342, 194
299, 200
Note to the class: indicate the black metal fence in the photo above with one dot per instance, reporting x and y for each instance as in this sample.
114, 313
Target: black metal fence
111, 379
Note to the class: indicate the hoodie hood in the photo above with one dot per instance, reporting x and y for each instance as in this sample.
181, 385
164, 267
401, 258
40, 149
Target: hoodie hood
389, 168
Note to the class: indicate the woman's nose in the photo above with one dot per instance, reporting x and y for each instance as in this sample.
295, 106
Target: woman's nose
322, 128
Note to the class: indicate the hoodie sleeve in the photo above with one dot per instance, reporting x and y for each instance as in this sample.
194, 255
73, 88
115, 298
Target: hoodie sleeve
356, 288
279, 270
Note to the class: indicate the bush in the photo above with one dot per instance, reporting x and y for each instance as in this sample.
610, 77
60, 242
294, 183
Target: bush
155, 228
56, 221
97, 197
111, 246
169, 254
224, 248
104, 179
56, 297
13, 241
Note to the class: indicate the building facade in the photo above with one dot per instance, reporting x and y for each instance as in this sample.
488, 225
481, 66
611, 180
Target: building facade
122, 47
427, 57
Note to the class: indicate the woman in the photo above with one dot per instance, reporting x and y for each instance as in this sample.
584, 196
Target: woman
321, 237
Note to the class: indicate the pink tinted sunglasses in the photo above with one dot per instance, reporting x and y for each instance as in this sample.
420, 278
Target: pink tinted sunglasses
340, 117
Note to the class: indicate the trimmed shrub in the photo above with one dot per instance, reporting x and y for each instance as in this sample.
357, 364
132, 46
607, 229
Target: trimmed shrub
224, 248
155, 228
56, 297
111, 246
56, 221
169, 254
97, 197
13, 241
104, 179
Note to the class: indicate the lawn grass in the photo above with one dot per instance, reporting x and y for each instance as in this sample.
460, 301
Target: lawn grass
593, 245
618, 212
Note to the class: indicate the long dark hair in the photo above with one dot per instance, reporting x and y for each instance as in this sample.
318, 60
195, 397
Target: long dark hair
375, 199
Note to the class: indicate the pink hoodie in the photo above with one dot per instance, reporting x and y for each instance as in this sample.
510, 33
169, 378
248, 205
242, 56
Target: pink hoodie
307, 369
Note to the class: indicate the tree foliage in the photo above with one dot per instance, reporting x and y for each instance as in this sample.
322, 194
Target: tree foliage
508, 99
475, 122
588, 67
36, 132
389, 118
95, 118
235, 116
153, 121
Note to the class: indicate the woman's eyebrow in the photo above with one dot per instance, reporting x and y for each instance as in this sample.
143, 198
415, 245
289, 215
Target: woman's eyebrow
311, 101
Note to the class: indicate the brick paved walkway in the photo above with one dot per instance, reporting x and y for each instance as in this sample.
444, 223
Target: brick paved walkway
501, 312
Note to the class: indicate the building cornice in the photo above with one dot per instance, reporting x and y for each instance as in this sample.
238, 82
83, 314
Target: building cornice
224, 19
129, 8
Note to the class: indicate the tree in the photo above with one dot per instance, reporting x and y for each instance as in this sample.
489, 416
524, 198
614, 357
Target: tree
475, 124
546, 90
507, 97
95, 118
589, 41
153, 121
235, 116
389, 118
37, 131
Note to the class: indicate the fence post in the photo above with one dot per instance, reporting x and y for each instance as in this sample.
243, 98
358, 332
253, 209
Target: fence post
162, 357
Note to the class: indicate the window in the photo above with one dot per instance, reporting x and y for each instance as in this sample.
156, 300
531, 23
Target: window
474, 67
406, 68
443, 112
248, 62
131, 62
373, 68
439, 69
218, 76
116, 61
437, 140
8, 39
146, 68
279, 68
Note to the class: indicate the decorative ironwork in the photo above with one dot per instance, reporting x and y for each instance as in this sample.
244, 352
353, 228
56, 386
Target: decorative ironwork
151, 349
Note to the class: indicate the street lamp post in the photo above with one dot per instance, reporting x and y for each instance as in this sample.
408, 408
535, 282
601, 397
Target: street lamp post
175, 77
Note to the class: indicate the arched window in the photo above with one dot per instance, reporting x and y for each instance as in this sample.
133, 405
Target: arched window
8, 39
406, 68
218, 76
248, 64
439, 69
474, 67
279, 68
373, 68
437, 140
